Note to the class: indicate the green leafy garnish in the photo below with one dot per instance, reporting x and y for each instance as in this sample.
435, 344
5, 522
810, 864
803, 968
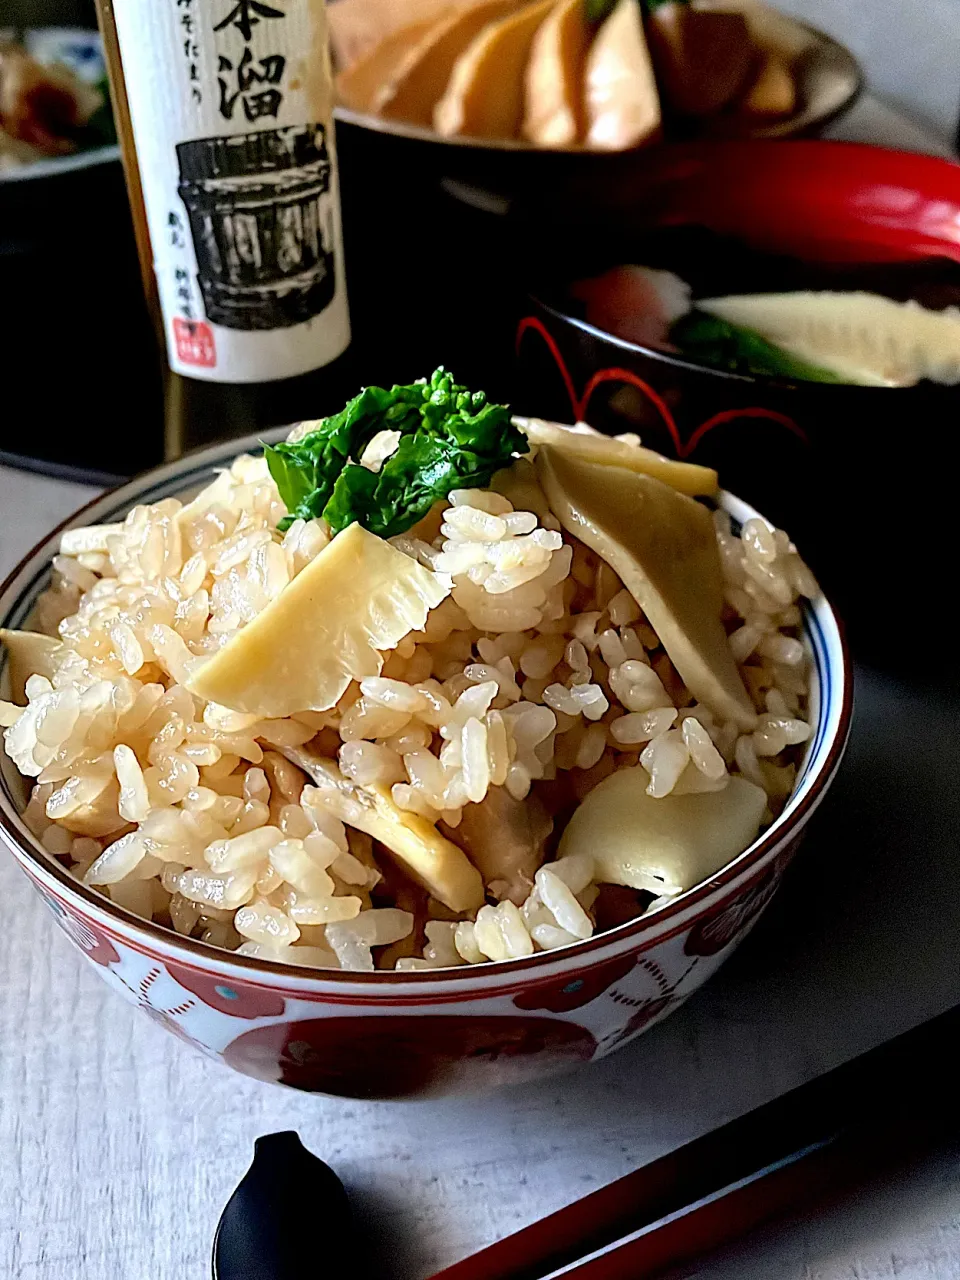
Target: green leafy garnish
450, 438
727, 346
306, 472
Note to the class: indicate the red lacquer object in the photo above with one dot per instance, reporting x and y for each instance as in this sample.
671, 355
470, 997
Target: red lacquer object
825, 457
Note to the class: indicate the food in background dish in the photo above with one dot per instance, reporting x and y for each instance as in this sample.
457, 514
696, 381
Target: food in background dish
418, 82
554, 112
356, 27
47, 110
421, 687
484, 97
620, 92
604, 74
704, 60
849, 336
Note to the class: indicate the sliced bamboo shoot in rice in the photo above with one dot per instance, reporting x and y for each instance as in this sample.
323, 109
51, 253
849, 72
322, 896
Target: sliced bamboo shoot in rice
664, 845
663, 546
518, 483
584, 442
332, 624
484, 98
28, 654
866, 339
435, 862
506, 839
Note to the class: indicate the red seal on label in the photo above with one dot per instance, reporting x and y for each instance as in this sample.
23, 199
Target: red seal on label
194, 342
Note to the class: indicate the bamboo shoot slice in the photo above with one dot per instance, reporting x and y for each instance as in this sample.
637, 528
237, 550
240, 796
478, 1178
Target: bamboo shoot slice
583, 442
676, 841
662, 545
29, 653
484, 98
553, 113
863, 337
331, 625
438, 864
422, 78
774, 91
359, 84
622, 102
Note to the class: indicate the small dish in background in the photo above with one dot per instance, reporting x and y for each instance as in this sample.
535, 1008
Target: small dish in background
848, 455
828, 77
826, 82
79, 52
80, 49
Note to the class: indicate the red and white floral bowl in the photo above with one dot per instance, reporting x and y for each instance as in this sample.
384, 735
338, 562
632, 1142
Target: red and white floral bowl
390, 1035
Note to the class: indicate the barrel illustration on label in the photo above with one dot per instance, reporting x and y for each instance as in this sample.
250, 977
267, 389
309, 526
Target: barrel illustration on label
262, 222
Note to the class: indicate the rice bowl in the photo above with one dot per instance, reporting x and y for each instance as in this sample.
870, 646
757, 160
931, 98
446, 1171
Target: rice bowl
510, 703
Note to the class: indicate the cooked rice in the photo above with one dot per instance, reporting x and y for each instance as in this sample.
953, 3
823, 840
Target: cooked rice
538, 663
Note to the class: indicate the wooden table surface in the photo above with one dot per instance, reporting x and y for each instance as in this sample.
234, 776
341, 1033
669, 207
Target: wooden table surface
119, 1146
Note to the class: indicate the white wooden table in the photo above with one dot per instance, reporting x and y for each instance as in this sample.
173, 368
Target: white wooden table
119, 1147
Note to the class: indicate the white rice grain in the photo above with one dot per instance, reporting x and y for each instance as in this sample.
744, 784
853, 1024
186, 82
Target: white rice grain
703, 753
261, 922
559, 900
117, 861
500, 933
665, 759
134, 804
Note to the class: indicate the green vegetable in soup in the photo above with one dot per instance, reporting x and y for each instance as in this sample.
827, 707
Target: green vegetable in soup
727, 346
450, 438
864, 339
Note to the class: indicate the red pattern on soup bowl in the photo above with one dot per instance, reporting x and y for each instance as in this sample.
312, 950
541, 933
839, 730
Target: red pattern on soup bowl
423, 1033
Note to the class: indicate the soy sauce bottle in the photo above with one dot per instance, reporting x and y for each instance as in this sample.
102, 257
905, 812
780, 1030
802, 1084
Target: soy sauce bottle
224, 112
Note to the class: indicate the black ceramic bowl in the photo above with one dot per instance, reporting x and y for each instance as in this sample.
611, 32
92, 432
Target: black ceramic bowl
860, 476
828, 79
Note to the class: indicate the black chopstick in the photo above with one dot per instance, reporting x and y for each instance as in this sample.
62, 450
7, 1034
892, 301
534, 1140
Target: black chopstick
822, 1136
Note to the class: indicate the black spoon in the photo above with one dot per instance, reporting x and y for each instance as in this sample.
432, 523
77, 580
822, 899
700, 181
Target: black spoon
288, 1218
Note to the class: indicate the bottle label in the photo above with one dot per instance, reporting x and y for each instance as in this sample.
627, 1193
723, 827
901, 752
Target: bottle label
231, 105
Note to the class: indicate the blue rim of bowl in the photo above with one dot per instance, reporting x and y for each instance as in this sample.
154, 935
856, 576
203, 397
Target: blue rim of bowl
18, 595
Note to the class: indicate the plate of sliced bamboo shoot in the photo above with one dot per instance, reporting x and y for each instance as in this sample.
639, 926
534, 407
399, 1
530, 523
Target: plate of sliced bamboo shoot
584, 75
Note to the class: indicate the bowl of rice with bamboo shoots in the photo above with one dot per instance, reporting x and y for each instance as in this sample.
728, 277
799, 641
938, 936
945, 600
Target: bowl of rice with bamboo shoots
423, 748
